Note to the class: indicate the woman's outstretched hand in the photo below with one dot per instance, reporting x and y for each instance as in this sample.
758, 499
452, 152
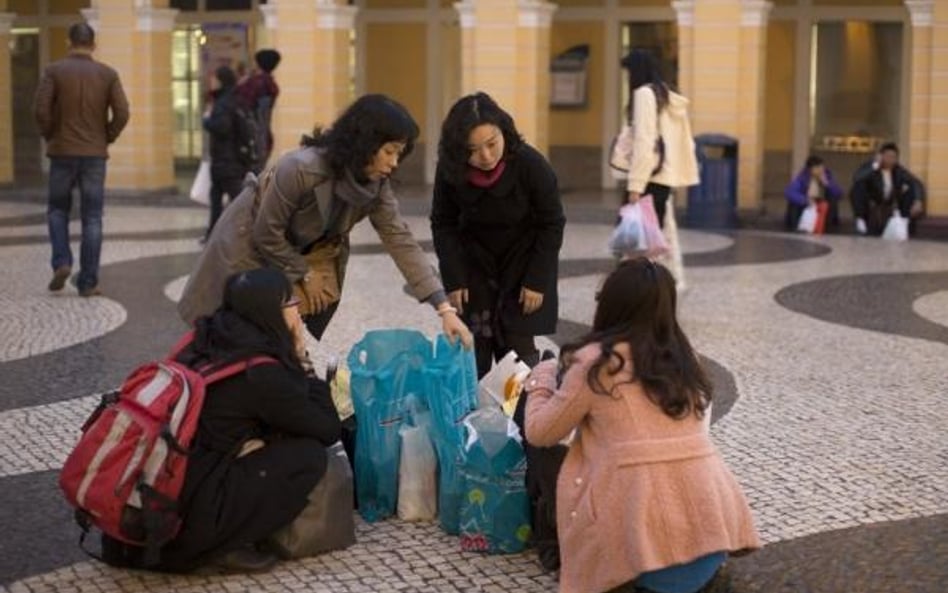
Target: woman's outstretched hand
455, 329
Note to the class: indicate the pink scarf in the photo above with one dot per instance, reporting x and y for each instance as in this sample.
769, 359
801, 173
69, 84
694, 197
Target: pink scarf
479, 178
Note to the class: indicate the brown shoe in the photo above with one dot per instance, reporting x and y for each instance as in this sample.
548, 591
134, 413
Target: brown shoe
60, 275
90, 292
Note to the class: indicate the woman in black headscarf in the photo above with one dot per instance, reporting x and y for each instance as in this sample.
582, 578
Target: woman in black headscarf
260, 445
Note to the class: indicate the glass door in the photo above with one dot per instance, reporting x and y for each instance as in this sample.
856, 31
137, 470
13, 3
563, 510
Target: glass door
855, 90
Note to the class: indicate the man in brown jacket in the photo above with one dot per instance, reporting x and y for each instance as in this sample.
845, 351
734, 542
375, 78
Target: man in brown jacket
72, 108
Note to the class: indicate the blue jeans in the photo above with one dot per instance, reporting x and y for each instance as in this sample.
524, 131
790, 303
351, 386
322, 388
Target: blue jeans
89, 174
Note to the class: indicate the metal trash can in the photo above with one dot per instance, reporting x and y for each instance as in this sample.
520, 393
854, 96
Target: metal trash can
713, 202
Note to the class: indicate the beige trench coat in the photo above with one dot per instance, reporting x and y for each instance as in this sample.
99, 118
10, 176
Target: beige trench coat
272, 222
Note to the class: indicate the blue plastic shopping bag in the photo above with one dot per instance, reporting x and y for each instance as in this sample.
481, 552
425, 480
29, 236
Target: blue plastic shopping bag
451, 391
386, 369
495, 508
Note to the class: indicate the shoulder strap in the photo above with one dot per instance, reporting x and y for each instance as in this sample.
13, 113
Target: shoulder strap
183, 343
235, 368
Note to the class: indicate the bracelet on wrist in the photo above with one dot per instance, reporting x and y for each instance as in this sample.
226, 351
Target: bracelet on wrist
444, 310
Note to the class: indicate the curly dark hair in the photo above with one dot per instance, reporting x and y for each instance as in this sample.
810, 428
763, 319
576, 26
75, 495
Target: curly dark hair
636, 305
362, 129
465, 115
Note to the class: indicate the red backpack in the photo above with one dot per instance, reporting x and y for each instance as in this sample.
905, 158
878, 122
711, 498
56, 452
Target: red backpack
126, 473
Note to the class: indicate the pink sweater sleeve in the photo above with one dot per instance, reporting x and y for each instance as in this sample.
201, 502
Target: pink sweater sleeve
553, 412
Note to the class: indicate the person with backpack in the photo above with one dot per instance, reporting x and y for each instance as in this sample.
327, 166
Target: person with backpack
231, 150
260, 446
258, 94
644, 501
298, 216
497, 223
662, 150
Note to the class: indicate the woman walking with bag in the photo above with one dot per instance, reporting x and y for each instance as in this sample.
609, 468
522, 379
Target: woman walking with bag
497, 223
661, 154
298, 217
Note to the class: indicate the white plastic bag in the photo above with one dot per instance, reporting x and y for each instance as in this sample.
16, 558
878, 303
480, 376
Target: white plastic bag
501, 386
201, 188
417, 476
628, 238
807, 222
897, 228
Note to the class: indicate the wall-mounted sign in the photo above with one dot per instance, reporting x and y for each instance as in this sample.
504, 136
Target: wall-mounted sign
569, 76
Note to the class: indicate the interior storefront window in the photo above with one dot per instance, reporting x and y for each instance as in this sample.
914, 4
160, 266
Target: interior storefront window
186, 92
184, 4
856, 86
228, 4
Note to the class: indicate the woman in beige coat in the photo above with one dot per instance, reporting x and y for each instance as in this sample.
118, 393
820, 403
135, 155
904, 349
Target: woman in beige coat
644, 501
663, 153
298, 216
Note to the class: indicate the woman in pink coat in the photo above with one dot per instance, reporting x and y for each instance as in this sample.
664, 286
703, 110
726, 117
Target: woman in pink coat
644, 501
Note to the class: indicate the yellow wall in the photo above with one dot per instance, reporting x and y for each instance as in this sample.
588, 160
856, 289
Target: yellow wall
875, 3
58, 43
450, 72
395, 65
580, 126
779, 86
67, 6
22, 6
396, 4
644, 3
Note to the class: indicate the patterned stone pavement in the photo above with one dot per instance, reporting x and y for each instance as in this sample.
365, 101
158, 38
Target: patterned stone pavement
828, 356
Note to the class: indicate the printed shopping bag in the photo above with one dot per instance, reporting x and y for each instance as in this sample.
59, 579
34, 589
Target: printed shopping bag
385, 370
451, 394
495, 511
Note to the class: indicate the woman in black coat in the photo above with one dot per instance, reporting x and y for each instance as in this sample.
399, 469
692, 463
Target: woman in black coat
260, 446
497, 223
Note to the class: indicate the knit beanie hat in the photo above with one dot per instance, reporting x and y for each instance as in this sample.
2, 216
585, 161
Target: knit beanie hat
267, 59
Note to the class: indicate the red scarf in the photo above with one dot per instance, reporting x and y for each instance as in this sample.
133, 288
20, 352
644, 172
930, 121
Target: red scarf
481, 178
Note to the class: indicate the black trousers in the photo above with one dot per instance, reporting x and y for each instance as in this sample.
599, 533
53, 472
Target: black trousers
232, 186
487, 350
659, 195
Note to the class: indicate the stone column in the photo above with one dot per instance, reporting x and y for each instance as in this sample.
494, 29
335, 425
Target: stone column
751, 101
685, 13
532, 104
923, 141
314, 76
6, 101
505, 52
724, 70
135, 39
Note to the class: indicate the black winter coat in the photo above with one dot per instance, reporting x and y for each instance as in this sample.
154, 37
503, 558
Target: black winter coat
495, 240
222, 128
228, 502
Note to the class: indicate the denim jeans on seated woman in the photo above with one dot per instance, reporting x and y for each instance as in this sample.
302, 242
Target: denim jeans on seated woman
88, 173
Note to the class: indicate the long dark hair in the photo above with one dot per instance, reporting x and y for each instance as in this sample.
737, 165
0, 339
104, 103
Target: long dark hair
362, 129
636, 305
466, 114
248, 323
643, 69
